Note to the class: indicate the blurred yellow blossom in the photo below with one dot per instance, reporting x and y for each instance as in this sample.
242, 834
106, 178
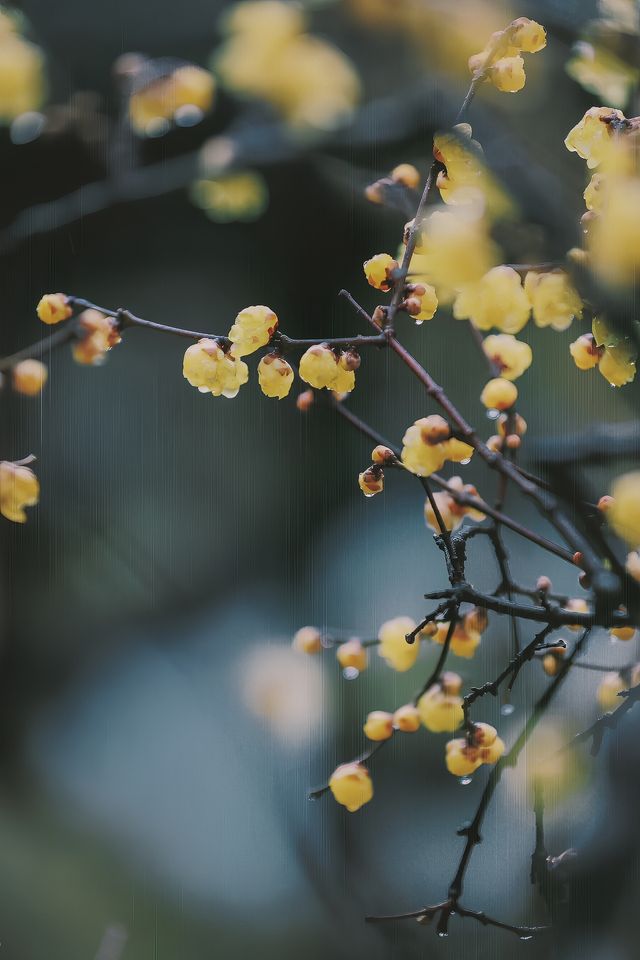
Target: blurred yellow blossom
236, 196
159, 99
267, 55
600, 71
22, 79
19, 488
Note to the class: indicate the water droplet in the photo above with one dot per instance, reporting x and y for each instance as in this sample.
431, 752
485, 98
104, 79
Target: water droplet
442, 933
188, 116
465, 781
507, 709
351, 673
368, 495
419, 323
525, 936
493, 414
27, 127
463, 463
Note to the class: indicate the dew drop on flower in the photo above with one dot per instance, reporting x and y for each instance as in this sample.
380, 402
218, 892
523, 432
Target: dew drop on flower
351, 673
493, 414
27, 127
465, 781
463, 463
507, 709
188, 116
442, 933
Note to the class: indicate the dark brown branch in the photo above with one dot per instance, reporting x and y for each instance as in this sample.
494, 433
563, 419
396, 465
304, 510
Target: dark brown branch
606, 722
554, 616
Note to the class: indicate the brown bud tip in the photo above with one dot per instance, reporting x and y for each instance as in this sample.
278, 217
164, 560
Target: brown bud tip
374, 192
513, 441
378, 316
494, 443
350, 359
382, 454
418, 288
412, 305
605, 503
304, 400
543, 584
577, 558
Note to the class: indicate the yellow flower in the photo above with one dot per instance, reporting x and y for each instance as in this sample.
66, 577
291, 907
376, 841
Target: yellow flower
307, 640
427, 444
207, 367
267, 55
465, 639
458, 250
379, 725
440, 707
499, 394
53, 308
371, 481
633, 565
97, 335
461, 759
585, 352
500, 58
19, 488
554, 300
275, 376
426, 303
593, 194
452, 513
236, 196
407, 175
612, 684
378, 271
162, 98
614, 237
252, 329
394, 648
527, 35
591, 137
624, 512
351, 786
352, 654
29, 377
507, 74
511, 356
322, 369
496, 300
22, 79
600, 71
407, 718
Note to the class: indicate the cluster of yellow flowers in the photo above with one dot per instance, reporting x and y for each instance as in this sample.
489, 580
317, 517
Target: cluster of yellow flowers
466, 754
323, 368
466, 633
95, 333
501, 62
614, 357
428, 444
215, 366
22, 76
157, 100
268, 55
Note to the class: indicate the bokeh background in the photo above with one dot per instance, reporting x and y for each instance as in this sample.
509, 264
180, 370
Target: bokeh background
157, 736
